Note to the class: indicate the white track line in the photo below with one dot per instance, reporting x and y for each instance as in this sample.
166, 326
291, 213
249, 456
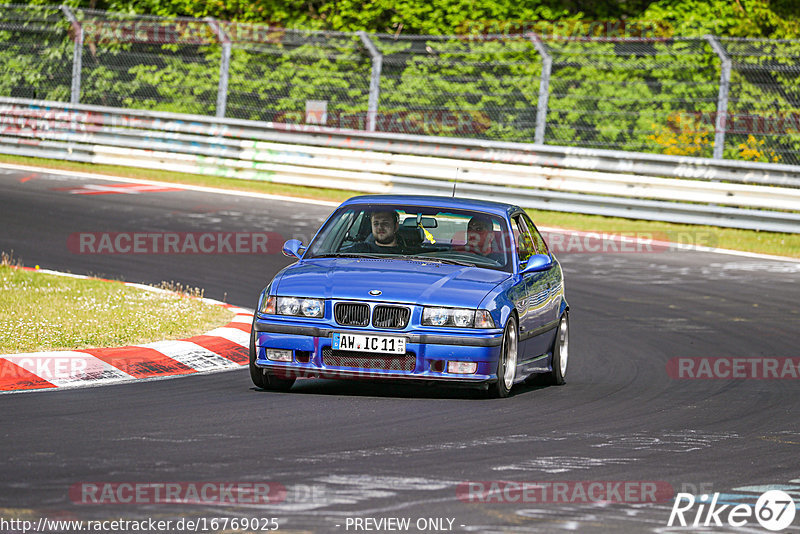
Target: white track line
283, 198
200, 188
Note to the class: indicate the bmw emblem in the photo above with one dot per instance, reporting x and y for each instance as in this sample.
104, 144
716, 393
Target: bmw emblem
375, 292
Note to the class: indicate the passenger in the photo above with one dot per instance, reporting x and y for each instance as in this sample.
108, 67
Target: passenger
480, 236
481, 240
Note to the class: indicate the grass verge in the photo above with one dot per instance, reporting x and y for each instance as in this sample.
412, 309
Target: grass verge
42, 312
728, 238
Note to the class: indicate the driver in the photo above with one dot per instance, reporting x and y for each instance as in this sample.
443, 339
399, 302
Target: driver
384, 228
384, 238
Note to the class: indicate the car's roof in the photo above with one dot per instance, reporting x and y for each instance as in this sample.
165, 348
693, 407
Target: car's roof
486, 206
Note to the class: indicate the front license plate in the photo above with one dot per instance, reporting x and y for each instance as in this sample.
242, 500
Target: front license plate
365, 343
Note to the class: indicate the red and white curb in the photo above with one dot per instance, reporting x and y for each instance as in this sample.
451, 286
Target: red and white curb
221, 349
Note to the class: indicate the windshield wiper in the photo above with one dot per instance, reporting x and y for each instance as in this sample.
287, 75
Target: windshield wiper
374, 256
434, 259
333, 255
350, 255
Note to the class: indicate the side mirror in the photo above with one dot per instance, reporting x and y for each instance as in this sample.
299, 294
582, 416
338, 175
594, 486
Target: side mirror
294, 248
536, 263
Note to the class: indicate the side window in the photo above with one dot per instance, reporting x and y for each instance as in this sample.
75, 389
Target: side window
525, 246
330, 238
538, 241
359, 229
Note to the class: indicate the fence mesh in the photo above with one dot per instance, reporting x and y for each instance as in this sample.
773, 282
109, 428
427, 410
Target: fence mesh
36, 51
275, 73
657, 95
149, 62
763, 122
464, 87
633, 94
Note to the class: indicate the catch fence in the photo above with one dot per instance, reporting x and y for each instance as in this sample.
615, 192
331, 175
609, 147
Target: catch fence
711, 97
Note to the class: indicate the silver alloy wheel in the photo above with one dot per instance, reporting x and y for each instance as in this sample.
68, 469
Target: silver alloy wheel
563, 345
511, 358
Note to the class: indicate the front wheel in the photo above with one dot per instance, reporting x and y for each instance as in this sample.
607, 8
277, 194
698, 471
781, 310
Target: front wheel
560, 352
261, 377
507, 363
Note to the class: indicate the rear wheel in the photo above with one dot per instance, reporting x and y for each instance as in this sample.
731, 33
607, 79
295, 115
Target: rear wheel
507, 363
560, 352
261, 377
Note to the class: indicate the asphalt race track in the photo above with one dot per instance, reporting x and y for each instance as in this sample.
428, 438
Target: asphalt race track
339, 451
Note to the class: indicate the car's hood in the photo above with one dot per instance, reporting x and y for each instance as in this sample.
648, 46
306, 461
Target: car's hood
407, 281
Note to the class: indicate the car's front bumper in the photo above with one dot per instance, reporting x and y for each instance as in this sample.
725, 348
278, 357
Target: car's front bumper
428, 352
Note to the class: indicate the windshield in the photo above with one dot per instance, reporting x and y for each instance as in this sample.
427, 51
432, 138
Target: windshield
449, 236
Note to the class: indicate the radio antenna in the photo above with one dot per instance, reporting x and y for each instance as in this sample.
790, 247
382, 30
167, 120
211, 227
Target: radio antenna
454, 183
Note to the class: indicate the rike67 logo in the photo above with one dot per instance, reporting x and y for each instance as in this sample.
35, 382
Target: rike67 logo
774, 510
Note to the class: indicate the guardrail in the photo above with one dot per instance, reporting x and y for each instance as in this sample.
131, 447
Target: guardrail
623, 184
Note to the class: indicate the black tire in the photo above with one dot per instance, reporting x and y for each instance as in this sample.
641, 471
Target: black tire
261, 377
506, 364
560, 352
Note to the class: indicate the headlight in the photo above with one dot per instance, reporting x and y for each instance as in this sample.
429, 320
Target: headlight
293, 306
457, 317
288, 306
435, 316
463, 318
311, 307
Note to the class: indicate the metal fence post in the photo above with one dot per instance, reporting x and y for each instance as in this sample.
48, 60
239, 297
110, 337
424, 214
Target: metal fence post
224, 65
374, 81
544, 89
722, 100
77, 55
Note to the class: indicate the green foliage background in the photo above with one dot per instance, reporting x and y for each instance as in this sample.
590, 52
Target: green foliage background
657, 97
777, 19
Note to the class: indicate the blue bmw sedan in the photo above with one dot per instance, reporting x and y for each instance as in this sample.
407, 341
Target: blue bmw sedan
416, 288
